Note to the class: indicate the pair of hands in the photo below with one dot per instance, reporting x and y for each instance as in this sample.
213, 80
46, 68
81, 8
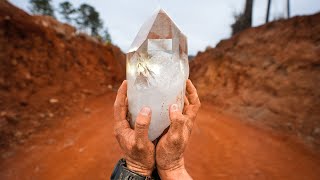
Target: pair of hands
140, 153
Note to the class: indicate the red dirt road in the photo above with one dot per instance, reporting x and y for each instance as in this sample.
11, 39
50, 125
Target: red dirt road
83, 147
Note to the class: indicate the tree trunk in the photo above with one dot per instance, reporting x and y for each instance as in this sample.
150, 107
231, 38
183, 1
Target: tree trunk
268, 11
248, 13
288, 9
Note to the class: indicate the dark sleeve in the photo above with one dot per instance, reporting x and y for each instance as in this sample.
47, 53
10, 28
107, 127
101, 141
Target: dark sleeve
121, 172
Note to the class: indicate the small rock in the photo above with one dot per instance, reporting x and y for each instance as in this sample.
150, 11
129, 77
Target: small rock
21, 141
18, 134
35, 123
3, 113
316, 131
31, 148
6, 155
87, 110
2, 82
45, 24
11, 118
83, 96
257, 172
14, 62
37, 169
53, 100
51, 141
68, 143
50, 115
62, 46
87, 91
28, 76
81, 149
310, 139
7, 18
42, 115
110, 86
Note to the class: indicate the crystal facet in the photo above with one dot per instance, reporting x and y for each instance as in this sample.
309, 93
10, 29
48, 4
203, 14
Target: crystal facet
157, 70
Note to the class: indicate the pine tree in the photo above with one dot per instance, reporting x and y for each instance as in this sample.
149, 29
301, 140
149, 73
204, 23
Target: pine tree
248, 13
66, 10
42, 7
288, 8
268, 11
106, 36
243, 20
89, 18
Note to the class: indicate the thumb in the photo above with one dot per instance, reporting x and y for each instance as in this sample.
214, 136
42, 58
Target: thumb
142, 123
176, 118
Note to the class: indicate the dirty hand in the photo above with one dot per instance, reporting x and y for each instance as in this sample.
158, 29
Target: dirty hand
171, 146
138, 149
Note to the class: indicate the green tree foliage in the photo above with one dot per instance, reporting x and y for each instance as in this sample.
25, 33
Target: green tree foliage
86, 18
66, 9
42, 7
89, 18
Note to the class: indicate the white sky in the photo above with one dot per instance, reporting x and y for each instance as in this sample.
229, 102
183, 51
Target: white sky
205, 22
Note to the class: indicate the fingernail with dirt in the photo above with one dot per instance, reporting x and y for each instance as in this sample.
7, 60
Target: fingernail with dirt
145, 111
174, 107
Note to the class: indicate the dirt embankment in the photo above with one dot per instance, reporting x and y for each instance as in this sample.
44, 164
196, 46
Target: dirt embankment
46, 70
269, 75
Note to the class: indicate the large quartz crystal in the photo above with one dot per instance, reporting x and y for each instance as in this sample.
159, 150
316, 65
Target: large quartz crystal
157, 70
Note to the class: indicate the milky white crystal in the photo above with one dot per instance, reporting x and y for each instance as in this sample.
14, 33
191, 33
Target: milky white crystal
157, 70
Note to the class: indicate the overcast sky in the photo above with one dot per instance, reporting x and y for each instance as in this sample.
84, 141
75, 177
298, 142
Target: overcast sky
205, 22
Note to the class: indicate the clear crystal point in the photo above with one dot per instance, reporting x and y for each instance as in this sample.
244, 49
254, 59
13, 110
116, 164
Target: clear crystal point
157, 70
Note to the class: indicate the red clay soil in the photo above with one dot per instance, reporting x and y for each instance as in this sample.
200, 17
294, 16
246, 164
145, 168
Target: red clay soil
268, 75
46, 70
82, 146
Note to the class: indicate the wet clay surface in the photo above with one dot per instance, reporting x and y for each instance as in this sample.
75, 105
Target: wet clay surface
82, 146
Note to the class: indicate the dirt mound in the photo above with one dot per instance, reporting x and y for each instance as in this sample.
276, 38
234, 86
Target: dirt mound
269, 75
46, 70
